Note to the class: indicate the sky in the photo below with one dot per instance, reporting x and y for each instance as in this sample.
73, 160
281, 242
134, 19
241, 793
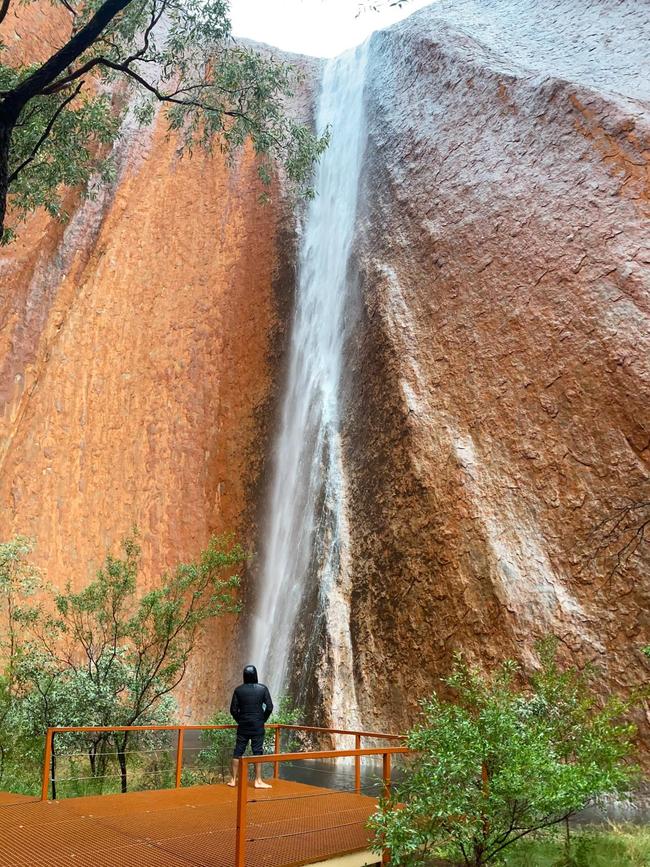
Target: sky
322, 28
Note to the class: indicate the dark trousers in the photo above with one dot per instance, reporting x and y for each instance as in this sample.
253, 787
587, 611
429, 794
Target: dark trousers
255, 736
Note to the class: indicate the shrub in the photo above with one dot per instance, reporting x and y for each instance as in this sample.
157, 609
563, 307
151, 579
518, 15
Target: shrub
503, 761
107, 655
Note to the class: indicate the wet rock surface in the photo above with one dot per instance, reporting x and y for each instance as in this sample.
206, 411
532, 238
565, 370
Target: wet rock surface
501, 347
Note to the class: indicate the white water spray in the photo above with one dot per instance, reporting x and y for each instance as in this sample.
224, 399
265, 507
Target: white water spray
306, 540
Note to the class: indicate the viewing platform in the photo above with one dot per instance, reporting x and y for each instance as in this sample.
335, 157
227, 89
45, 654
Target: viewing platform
290, 824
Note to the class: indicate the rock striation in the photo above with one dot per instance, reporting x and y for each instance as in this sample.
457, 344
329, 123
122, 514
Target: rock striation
501, 351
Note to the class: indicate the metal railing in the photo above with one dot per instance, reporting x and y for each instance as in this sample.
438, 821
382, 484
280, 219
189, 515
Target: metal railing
245, 762
276, 759
49, 777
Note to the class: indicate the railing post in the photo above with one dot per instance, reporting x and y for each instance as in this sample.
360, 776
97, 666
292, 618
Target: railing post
47, 758
276, 750
179, 757
386, 763
242, 798
357, 766
385, 855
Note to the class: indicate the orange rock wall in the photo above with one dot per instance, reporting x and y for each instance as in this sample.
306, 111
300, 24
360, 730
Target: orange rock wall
136, 371
31, 32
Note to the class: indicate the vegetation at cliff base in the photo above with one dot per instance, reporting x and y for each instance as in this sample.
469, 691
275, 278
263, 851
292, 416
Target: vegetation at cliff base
106, 655
626, 846
504, 760
59, 118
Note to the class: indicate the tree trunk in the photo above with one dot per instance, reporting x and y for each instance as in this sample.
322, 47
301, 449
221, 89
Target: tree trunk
67, 54
102, 765
53, 772
6, 129
121, 758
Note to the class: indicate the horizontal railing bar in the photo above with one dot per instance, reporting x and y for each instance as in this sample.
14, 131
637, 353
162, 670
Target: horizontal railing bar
174, 728
337, 771
112, 755
323, 754
60, 780
322, 794
379, 735
307, 831
79, 729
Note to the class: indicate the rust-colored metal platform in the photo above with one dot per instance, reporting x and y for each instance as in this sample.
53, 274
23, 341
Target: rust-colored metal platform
7, 798
288, 825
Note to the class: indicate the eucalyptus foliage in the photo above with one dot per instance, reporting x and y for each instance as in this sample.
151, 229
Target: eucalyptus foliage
502, 761
109, 654
59, 119
19, 580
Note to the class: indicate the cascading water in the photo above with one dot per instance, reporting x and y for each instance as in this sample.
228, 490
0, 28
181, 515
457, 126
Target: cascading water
303, 585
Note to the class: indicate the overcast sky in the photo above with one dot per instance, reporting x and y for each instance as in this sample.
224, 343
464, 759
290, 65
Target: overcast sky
322, 28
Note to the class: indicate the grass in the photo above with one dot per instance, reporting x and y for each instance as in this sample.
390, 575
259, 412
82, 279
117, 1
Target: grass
616, 846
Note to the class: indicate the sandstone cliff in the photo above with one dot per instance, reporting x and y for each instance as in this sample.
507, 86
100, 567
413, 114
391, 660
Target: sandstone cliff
138, 355
501, 352
497, 378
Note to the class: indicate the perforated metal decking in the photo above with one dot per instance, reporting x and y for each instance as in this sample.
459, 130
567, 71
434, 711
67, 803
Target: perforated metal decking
288, 825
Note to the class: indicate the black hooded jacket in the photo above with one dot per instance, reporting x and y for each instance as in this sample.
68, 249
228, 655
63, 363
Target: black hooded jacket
251, 706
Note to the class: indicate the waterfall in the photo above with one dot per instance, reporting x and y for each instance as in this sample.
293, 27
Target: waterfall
302, 594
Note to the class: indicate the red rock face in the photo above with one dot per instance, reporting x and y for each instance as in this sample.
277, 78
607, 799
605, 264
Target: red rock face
497, 382
137, 369
502, 344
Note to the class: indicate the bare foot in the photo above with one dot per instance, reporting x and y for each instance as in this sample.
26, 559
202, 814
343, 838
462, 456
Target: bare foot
232, 783
260, 784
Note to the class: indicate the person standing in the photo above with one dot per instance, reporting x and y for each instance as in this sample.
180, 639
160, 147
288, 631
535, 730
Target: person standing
251, 706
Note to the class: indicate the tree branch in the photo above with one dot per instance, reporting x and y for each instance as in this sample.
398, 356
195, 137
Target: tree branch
70, 8
62, 83
524, 832
155, 18
45, 135
126, 69
625, 529
4, 8
62, 59
166, 97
